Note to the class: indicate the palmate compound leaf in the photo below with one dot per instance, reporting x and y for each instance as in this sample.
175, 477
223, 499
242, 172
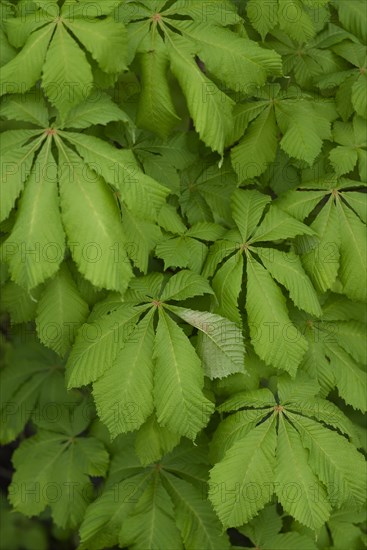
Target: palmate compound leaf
53, 468
66, 73
116, 356
273, 335
228, 58
136, 500
300, 123
36, 244
310, 467
97, 242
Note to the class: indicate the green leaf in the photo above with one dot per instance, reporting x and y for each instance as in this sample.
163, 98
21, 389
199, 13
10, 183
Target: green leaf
232, 429
312, 509
185, 284
153, 441
103, 518
350, 336
152, 523
359, 101
26, 107
60, 312
98, 342
231, 58
100, 36
124, 394
335, 461
156, 111
247, 208
141, 237
303, 130
195, 518
143, 195
286, 268
223, 14
241, 484
178, 381
220, 341
23, 71
279, 225
227, 285
275, 339
92, 223
56, 459
353, 17
343, 159
18, 302
36, 245
350, 379
257, 148
263, 17
209, 107
31, 381
299, 204
16, 164
295, 21
322, 263
358, 202
67, 77
95, 110
353, 253
206, 231
174, 251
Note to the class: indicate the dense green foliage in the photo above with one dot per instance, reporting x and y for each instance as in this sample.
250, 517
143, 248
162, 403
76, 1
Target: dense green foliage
183, 263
